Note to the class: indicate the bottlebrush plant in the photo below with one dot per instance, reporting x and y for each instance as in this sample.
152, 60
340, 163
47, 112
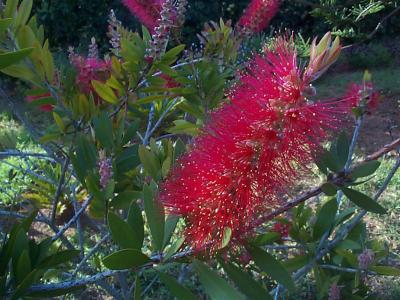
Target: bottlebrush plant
167, 166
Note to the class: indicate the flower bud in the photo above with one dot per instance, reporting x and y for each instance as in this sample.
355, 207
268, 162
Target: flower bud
365, 259
105, 169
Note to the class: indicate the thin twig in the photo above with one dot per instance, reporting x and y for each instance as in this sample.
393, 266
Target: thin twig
90, 253
59, 189
347, 270
17, 153
72, 283
73, 219
385, 149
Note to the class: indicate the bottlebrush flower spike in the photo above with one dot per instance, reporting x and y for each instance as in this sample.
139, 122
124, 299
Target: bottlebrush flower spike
89, 69
147, 11
258, 15
250, 152
363, 96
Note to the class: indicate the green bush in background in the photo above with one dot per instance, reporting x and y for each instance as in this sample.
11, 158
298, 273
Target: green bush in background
74, 22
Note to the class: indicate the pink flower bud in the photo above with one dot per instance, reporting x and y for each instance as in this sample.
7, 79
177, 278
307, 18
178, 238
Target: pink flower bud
334, 292
365, 259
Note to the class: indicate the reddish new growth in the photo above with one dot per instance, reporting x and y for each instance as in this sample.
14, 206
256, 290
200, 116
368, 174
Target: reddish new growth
44, 107
147, 11
251, 151
258, 15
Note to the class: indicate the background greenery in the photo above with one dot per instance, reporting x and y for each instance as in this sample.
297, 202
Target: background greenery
74, 22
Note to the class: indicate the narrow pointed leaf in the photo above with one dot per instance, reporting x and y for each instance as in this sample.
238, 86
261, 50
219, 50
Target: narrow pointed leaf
155, 217
178, 290
363, 201
135, 220
122, 233
267, 263
245, 283
365, 169
105, 92
215, 286
11, 58
58, 258
325, 218
125, 259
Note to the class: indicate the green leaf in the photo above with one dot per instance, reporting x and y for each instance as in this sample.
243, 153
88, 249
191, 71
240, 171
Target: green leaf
363, 201
178, 290
131, 131
4, 24
152, 98
58, 258
27, 222
170, 225
385, 270
59, 121
342, 148
245, 283
216, 287
174, 51
103, 129
365, 169
86, 155
11, 8
125, 259
227, 237
128, 159
25, 284
124, 199
266, 239
179, 149
105, 92
184, 127
348, 244
329, 189
295, 263
325, 218
330, 161
349, 256
174, 247
155, 217
122, 233
23, 266
135, 220
11, 58
150, 162
267, 263
24, 11
344, 215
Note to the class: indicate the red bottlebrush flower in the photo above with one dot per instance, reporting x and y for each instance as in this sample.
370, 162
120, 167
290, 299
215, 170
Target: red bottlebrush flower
89, 69
363, 95
258, 14
147, 11
44, 107
250, 152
